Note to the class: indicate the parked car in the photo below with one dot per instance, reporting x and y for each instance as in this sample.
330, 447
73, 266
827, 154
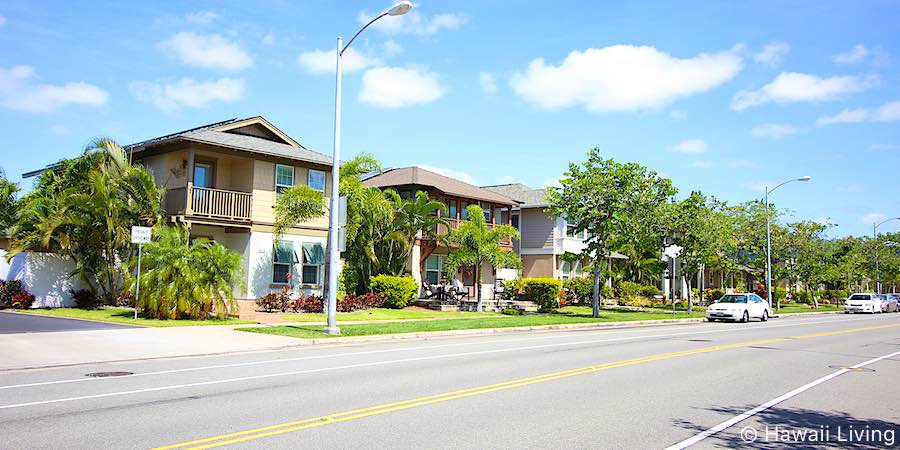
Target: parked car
739, 307
889, 303
863, 303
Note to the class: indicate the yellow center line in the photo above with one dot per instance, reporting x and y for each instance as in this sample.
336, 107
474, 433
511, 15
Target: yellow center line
298, 425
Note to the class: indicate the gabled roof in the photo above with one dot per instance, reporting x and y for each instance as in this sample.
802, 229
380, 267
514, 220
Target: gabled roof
528, 197
253, 134
417, 176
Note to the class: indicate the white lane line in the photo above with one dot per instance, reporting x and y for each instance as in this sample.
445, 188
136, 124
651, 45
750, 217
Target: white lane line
420, 348
728, 423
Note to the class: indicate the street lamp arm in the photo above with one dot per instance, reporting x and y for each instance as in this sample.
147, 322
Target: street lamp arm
360, 31
884, 222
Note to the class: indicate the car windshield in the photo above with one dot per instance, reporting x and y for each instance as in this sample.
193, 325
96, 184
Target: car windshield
733, 299
860, 297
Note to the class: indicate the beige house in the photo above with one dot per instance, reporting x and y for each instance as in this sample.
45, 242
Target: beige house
222, 182
428, 255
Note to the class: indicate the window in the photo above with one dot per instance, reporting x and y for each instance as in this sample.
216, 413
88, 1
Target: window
284, 177
515, 221
313, 259
464, 211
452, 207
284, 259
434, 267
564, 270
498, 215
486, 209
316, 180
571, 233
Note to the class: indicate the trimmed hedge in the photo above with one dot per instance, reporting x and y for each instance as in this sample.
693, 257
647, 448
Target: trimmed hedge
543, 291
397, 292
580, 290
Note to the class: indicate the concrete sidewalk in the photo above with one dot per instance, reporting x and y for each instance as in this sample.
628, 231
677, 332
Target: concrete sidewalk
34, 350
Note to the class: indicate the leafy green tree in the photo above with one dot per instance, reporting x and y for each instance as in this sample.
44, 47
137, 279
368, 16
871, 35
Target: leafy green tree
84, 208
810, 254
8, 205
615, 203
473, 243
413, 219
181, 279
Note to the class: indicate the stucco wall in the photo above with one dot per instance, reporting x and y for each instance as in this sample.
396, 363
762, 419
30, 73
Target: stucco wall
43, 274
538, 266
261, 259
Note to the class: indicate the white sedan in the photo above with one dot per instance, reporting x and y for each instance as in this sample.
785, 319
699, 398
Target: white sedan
863, 303
740, 307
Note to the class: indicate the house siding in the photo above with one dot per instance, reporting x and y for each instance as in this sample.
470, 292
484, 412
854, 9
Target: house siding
537, 228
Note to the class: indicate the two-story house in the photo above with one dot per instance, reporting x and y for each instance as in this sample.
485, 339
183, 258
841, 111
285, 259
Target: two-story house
428, 255
545, 237
222, 182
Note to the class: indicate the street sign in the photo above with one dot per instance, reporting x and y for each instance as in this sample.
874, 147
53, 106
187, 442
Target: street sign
140, 235
672, 251
342, 211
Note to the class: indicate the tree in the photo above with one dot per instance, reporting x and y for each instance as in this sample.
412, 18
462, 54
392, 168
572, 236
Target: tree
615, 203
84, 208
474, 243
810, 254
8, 205
413, 219
700, 231
183, 279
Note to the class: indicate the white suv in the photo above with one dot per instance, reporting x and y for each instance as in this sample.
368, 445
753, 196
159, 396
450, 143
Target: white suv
862, 302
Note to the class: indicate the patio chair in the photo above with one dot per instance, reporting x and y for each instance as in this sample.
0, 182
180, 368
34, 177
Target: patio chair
457, 290
429, 291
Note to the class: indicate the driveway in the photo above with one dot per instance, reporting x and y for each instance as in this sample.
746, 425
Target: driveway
26, 323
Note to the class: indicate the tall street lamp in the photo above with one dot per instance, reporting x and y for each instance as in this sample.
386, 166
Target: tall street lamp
874, 238
769, 240
334, 254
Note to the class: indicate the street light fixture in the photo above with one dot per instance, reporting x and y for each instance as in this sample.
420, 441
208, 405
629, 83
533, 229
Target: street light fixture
334, 255
874, 238
769, 240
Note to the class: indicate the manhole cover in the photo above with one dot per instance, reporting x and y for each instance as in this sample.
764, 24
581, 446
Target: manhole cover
852, 369
108, 374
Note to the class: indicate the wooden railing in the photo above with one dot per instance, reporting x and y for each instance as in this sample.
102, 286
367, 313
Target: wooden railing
218, 203
453, 224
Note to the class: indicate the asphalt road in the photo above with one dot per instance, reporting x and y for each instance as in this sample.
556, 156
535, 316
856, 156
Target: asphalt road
630, 388
24, 323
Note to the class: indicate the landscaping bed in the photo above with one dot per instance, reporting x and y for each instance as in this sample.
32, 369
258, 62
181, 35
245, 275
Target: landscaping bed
408, 313
126, 316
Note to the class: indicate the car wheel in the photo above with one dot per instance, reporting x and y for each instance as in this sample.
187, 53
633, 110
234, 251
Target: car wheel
764, 317
746, 317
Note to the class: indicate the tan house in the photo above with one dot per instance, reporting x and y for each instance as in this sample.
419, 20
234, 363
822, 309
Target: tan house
428, 255
222, 182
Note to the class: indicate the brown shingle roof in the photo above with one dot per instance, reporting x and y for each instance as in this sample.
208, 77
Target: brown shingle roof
417, 176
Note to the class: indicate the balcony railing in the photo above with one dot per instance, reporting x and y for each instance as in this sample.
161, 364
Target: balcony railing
210, 203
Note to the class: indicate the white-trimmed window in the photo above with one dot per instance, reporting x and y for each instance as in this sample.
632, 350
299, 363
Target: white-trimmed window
284, 177
284, 259
434, 267
571, 233
313, 260
316, 180
564, 270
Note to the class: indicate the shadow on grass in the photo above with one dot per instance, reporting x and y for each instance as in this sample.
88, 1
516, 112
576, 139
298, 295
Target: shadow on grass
823, 429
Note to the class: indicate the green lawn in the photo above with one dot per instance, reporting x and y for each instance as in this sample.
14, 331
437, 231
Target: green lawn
573, 314
388, 314
794, 309
125, 316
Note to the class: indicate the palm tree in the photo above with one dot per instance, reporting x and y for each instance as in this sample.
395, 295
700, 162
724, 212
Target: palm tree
8, 205
474, 243
413, 219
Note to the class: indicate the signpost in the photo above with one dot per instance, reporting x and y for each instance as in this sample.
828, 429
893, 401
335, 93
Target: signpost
672, 251
139, 236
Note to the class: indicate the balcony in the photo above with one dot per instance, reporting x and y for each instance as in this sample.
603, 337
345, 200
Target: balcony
453, 224
207, 203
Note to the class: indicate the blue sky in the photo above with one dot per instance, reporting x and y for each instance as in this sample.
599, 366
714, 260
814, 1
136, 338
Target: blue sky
719, 96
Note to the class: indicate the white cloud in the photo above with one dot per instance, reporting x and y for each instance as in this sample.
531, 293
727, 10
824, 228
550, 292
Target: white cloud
19, 91
772, 53
488, 82
323, 61
201, 17
211, 51
269, 38
554, 182
885, 146
415, 22
188, 93
461, 176
393, 87
888, 112
391, 48
773, 130
792, 87
2, 21
759, 186
855, 55
873, 218
689, 146
702, 164
622, 78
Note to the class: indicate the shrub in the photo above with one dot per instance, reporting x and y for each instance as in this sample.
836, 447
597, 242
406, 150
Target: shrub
629, 289
606, 291
9, 288
353, 302
124, 299
801, 297
397, 292
649, 290
512, 312
275, 301
22, 300
760, 290
85, 299
636, 300
580, 290
308, 304
713, 295
543, 291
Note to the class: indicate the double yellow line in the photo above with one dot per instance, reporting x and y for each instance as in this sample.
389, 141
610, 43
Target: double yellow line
290, 427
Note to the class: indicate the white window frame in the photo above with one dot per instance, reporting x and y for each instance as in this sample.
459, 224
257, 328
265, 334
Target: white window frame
440, 269
309, 175
303, 265
564, 270
293, 177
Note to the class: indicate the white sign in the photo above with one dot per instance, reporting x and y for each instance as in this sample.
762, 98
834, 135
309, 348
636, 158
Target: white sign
140, 235
672, 251
342, 211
